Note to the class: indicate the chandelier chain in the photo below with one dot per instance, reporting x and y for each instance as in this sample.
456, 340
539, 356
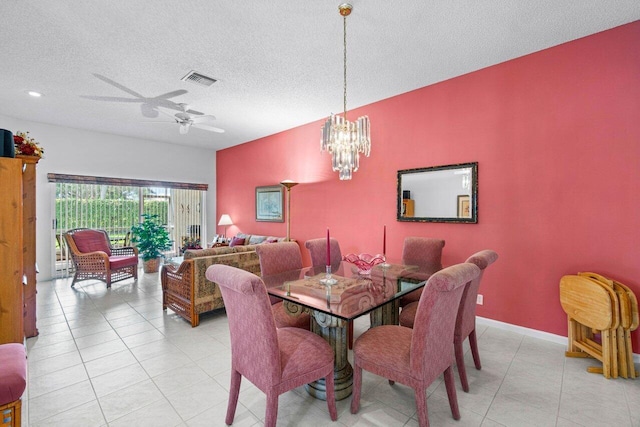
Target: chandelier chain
345, 64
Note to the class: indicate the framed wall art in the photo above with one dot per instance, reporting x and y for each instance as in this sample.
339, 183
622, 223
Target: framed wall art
464, 209
270, 203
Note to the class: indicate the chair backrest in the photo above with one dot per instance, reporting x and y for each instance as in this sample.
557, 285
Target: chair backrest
85, 240
432, 335
466, 320
318, 251
424, 252
278, 257
254, 342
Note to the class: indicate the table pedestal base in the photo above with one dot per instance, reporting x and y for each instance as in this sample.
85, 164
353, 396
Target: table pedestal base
388, 314
334, 330
343, 381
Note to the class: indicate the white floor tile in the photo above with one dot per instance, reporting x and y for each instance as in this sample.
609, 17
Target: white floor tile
114, 358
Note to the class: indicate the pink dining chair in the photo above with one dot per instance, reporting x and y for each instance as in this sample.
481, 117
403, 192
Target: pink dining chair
416, 357
274, 360
276, 258
318, 250
424, 252
466, 319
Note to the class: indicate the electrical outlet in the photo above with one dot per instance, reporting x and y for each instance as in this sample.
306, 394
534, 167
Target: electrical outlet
480, 299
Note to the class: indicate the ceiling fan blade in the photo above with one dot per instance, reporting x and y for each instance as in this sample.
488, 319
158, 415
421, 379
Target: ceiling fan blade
203, 119
172, 94
118, 85
110, 98
209, 128
197, 113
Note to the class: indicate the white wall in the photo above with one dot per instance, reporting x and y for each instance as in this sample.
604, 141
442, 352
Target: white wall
80, 152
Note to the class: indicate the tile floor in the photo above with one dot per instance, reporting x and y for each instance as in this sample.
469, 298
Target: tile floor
114, 358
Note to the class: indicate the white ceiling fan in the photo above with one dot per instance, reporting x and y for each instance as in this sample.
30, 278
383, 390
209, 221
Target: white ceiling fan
186, 120
148, 105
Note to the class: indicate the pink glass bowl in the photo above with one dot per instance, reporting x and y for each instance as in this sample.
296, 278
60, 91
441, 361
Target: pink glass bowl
364, 262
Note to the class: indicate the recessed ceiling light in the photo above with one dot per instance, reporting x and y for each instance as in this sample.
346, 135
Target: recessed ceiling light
34, 93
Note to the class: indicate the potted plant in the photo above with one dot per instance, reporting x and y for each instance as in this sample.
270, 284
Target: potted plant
151, 238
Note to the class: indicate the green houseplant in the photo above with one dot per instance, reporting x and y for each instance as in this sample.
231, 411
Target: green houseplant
151, 238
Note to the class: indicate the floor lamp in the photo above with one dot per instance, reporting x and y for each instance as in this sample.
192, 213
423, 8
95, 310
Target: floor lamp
288, 184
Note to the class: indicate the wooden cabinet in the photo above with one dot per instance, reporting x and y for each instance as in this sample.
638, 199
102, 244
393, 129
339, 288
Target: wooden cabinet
18, 248
11, 255
29, 242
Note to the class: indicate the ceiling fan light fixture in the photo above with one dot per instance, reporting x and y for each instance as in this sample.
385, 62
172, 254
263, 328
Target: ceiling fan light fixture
184, 128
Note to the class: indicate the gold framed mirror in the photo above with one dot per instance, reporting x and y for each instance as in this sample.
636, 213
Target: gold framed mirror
439, 194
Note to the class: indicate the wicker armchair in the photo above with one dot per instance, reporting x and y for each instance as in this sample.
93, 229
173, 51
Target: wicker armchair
95, 258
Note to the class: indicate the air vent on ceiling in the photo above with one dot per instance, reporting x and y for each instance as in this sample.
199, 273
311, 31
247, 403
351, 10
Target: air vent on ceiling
198, 79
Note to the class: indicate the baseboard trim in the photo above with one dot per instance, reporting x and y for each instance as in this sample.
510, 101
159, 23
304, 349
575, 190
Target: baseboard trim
534, 333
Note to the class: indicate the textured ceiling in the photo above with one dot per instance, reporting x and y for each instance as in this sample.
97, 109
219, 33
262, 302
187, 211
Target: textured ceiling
278, 63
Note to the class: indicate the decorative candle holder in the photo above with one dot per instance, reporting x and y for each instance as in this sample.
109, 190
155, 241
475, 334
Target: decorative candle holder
328, 279
385, 264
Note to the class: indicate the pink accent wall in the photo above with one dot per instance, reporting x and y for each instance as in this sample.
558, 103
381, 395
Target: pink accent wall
556, 135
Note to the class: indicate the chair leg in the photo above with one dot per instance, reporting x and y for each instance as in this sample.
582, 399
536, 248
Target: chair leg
331, 396
357, 386
421, 405
234, 391
473, 342
462, 372
449, 382
195, 320
272, 409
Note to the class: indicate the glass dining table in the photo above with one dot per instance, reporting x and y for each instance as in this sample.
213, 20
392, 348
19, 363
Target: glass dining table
332, 306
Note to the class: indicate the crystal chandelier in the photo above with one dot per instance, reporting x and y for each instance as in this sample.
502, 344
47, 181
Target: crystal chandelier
345, 140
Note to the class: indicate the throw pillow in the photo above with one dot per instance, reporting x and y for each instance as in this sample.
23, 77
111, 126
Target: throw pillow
236, 241
256, 240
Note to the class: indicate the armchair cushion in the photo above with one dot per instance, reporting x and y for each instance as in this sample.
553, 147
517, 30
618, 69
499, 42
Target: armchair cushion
92, 241
118, 262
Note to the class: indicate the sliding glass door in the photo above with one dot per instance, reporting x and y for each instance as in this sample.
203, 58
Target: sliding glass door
115, 208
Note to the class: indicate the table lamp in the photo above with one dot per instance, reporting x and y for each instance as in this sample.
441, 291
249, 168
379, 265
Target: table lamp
225, 220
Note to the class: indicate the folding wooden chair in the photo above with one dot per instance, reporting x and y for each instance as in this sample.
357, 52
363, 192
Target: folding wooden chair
591, 305
628, 306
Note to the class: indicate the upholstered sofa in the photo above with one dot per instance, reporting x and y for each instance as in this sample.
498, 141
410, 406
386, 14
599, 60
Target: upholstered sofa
187, 291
